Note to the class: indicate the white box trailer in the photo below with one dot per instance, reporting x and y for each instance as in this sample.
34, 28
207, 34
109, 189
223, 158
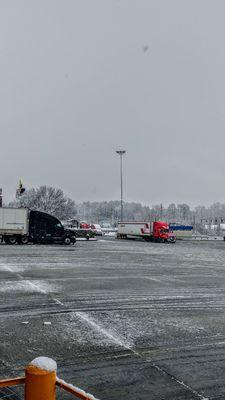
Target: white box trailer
134, 229
157, 231
14, 221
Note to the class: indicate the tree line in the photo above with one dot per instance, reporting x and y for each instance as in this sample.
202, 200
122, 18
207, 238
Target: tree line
54, 201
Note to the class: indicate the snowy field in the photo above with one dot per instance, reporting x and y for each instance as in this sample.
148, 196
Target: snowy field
123, 319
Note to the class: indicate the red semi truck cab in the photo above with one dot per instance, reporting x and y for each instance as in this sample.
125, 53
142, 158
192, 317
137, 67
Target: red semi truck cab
162, 232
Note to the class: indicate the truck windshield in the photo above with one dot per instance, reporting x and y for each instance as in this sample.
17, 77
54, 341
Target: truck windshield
164, 230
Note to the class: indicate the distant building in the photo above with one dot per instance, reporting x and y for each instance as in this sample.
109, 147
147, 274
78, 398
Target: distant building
182, 231
213, 228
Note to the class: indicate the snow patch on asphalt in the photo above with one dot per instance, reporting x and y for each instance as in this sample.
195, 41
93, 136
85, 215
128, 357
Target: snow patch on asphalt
115, 338
174, 378
111, 335
27, 286
132, 330
14, 268
17, 267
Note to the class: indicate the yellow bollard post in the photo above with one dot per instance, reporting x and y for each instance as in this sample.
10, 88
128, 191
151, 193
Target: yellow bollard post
40, 379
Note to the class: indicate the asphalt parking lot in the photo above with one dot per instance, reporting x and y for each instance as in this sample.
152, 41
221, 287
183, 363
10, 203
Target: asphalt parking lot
123, 319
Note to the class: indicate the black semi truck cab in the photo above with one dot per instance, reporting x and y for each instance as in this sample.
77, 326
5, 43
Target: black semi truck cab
44, 228
21, 225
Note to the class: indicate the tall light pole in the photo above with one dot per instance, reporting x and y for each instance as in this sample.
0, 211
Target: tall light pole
121, 153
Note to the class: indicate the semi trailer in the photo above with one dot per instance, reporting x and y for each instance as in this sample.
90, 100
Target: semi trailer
21, 225
157, 231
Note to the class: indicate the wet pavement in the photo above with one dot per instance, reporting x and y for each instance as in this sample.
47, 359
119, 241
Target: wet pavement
123, 319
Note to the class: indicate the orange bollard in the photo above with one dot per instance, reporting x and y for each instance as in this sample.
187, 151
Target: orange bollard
40, 379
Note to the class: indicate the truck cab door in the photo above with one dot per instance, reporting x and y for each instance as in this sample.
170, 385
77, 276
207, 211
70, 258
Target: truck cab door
58, 233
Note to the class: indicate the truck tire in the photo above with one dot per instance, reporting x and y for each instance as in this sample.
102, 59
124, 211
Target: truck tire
12, 240
6, 239
67, 241
24, 239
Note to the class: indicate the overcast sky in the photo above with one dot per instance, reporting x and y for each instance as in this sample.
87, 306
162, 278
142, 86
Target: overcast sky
81, 78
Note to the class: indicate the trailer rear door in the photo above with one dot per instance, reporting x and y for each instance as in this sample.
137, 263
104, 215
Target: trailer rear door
14, 220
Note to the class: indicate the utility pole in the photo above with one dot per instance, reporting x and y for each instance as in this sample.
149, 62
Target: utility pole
0, 197
161, 211
121, 153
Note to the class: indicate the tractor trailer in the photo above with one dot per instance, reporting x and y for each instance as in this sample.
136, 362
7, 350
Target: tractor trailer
21, 225
156, 231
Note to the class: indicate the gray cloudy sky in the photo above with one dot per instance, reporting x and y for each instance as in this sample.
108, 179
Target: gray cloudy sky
81, 78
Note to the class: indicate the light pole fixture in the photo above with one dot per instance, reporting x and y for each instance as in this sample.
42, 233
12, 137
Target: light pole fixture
121, 153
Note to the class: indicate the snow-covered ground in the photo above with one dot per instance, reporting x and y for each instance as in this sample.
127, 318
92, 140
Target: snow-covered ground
122, 319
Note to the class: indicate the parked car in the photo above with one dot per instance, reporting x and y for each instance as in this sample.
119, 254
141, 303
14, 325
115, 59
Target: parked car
84, 225
97, 229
